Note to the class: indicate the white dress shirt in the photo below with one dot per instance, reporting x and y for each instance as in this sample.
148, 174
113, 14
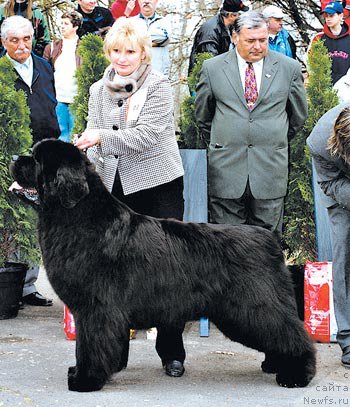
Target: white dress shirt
258, 68
25, 70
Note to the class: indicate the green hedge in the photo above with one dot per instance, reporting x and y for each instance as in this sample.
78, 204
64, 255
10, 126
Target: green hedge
17, 221
190, 137
91, 70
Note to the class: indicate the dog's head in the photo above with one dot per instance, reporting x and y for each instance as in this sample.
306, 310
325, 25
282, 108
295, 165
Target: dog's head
57, 170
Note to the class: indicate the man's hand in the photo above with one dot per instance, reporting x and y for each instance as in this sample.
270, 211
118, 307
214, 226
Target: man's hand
15, 185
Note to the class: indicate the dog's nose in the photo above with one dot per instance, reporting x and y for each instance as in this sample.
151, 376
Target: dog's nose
15, 158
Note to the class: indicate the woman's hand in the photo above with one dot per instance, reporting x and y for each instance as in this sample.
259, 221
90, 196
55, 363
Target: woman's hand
87, 139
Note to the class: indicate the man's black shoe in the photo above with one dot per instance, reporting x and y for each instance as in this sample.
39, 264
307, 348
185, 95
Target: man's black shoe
174, 368
37, 300
345, 359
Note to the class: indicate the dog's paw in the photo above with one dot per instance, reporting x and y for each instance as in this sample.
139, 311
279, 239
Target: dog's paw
297, 371
82, 383
284, 380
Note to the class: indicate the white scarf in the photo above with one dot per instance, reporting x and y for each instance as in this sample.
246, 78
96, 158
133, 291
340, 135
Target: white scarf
124, 86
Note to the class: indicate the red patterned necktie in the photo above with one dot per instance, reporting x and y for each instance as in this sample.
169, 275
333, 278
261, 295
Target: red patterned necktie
251, 89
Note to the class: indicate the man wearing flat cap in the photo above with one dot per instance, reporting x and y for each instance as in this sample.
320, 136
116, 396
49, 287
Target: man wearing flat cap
214, 35
279, 38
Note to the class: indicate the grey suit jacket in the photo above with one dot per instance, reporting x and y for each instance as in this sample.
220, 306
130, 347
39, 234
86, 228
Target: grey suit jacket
333, 174
247, 144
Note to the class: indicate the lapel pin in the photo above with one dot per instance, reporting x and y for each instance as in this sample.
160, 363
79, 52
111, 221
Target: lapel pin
268, 75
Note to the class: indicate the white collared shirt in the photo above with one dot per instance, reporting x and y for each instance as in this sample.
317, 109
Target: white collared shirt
25, 70
258, 68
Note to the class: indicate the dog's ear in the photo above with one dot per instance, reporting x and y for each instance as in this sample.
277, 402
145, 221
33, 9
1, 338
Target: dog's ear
71, 185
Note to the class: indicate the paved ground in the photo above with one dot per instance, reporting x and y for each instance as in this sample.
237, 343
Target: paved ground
34, 358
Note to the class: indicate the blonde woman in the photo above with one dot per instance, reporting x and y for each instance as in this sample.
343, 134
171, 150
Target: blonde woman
130, 137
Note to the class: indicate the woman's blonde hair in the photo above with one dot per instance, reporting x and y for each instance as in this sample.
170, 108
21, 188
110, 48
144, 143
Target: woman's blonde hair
339, 141
128, 30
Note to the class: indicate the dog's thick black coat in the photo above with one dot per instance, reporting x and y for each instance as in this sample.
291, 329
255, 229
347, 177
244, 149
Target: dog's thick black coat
116, 269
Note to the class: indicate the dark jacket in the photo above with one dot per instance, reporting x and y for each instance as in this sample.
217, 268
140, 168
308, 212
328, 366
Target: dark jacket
213, 37
338, 50
95, 22
41, 99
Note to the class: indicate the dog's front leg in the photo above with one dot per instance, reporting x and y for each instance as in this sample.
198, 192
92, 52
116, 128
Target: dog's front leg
86, 376
99, 347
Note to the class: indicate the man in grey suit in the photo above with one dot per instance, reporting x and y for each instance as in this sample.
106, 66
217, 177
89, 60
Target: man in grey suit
329, 144
248, 141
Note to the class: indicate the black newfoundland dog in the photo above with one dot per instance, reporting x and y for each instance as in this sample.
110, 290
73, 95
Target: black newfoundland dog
116, 269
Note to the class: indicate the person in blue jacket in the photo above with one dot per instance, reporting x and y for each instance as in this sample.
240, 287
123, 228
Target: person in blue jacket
279, 38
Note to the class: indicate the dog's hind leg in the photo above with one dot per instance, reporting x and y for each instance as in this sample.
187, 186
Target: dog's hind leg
99, 346
271, 363
123, 363
281, 336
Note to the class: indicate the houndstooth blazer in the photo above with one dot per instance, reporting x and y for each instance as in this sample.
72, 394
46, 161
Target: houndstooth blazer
137, 135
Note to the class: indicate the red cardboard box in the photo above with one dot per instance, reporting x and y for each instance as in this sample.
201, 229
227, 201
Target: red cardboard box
68, 324
319, 319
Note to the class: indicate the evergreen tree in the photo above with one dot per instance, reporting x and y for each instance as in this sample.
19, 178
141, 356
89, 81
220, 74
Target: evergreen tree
190, 137
17, 221
90, 71
300, 233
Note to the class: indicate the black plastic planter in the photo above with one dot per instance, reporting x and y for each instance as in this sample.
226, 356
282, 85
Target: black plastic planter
11, 286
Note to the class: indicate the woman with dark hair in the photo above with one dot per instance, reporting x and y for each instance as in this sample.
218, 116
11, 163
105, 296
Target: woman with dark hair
27, 9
